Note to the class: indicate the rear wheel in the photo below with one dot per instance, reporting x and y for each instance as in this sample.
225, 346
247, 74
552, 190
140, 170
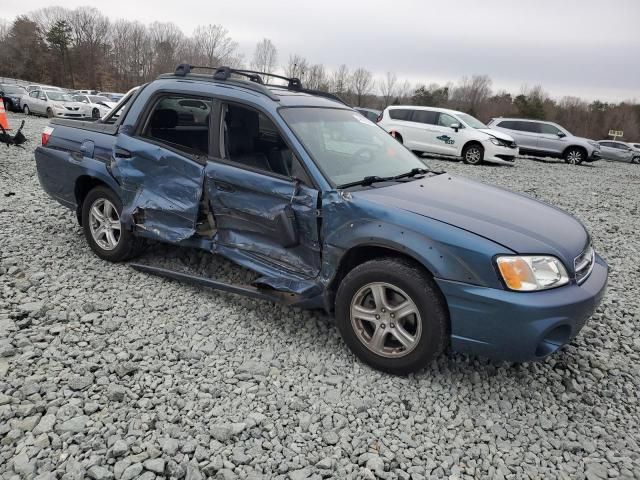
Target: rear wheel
473, 154
391, 315
574, 156
103, 229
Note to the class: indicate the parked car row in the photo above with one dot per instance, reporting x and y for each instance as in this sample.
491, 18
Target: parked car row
56, 102
457, 134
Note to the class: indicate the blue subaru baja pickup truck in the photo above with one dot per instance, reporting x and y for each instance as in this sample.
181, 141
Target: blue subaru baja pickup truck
331, 212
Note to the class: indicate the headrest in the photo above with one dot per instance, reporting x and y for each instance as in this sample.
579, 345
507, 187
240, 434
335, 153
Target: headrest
164, 118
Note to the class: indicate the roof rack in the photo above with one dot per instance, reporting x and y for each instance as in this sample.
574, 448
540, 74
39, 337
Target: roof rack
225, 74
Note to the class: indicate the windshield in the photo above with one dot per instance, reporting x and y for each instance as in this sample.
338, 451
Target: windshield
471, 121
59, 96
346, 146
98, 99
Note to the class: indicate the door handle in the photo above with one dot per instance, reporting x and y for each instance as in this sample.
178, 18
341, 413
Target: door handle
224, 186
122, 153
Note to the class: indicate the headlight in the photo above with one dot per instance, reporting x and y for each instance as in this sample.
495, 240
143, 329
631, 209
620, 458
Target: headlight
495, 141
58, 106
530, 273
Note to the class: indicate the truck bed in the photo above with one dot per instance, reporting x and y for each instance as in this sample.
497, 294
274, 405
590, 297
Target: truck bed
92, 126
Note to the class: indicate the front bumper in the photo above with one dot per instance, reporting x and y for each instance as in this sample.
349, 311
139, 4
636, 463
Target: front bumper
521, 326
499, 154
59, 113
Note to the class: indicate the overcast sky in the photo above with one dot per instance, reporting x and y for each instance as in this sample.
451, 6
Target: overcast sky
586, 48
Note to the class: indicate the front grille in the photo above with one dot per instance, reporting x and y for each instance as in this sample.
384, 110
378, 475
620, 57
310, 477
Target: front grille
72, 108
583, 264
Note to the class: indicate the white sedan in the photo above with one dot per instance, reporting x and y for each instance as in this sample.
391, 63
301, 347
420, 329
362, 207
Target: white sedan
95, 106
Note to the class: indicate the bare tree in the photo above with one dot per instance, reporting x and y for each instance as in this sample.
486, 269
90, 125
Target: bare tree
388, 87
471, 92
316, 78
340, 81
296, 67
362, 83
265, 56
214, 46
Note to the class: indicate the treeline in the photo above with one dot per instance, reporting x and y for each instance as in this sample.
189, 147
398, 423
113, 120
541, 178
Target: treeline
82, 48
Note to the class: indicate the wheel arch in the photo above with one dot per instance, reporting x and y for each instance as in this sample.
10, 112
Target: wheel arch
468, 143
83, 185
579, 147
359, 254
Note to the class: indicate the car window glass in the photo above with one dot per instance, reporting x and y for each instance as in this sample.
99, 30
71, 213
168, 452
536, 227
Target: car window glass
42, 96
605, 144
251, 139
34, 93
400, 114
445, 120
180, 126
424, 116
549, 129
531, 127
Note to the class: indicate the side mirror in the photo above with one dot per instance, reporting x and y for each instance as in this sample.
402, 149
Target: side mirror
561, 135
455, 126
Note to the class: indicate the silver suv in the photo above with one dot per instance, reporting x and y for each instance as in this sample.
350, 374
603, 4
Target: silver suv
548, 139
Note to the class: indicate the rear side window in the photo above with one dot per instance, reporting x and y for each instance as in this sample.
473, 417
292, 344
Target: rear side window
424, 116
400, 114
181, 123
606, 144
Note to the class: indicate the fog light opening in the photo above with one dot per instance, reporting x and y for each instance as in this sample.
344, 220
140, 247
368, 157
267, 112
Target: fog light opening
553, 340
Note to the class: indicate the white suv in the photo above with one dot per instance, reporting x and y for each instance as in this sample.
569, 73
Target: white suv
448, 132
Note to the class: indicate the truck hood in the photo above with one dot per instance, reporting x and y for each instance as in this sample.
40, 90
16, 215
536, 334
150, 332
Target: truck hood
518, 222
497, 134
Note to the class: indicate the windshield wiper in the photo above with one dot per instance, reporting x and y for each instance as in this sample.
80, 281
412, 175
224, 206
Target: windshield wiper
370, 180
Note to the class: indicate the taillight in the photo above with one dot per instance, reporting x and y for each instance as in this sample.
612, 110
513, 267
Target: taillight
46, 133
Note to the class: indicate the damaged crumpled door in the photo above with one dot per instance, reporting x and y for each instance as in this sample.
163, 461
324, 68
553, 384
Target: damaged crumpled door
274, 220
161, 189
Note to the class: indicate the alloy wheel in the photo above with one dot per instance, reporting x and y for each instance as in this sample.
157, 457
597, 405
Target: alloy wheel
473, 155
386, 320
104, 224
574, 157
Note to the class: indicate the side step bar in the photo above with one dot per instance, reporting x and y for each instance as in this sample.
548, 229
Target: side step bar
246, 290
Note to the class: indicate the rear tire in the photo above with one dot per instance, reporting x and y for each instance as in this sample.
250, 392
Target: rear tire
391, 315
473, 154
107, 237
574, 156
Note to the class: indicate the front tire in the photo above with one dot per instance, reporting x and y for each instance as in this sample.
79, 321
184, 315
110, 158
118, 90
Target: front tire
105, 234
95, 114
574, 156
49, 113
391, 315
26, 110
473, 154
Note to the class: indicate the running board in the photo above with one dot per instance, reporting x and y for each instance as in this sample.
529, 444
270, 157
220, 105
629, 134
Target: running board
286, 298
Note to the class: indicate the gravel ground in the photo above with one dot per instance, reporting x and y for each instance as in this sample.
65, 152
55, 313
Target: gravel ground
109, 373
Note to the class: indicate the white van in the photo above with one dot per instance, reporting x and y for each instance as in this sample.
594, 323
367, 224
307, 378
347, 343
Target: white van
448, 132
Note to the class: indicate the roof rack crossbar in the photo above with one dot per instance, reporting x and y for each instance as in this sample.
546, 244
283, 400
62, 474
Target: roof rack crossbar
225, 73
